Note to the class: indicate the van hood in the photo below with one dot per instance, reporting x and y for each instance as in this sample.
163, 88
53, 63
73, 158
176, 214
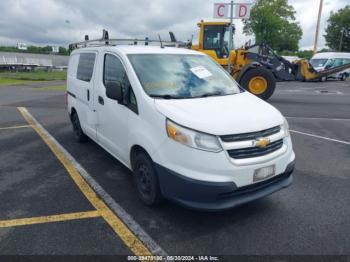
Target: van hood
221, 115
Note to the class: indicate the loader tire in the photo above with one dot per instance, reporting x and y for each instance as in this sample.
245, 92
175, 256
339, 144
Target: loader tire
260, 82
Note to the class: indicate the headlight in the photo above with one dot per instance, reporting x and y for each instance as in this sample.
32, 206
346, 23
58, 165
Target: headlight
285, 127
192, 138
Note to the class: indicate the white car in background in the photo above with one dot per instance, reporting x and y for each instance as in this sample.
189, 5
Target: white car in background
322, 61
181, 123
291, 58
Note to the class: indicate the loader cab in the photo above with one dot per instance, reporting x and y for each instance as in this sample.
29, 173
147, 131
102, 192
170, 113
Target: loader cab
214, 40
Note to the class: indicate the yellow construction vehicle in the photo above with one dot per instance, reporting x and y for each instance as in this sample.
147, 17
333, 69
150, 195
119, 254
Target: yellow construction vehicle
256, 68
254, 77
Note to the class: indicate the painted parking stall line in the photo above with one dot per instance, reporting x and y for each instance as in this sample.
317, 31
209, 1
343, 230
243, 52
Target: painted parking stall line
127, 219
49, 219
14, 127
138, 241
321, 137
318, 118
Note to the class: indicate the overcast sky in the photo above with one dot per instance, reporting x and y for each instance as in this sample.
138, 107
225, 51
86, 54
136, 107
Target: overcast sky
65, 21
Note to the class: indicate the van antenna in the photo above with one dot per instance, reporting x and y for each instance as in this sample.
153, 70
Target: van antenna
172, 37
160, 40
105, 36
190, 42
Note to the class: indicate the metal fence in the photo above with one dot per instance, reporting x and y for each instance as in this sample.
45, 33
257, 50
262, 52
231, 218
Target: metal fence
32, 60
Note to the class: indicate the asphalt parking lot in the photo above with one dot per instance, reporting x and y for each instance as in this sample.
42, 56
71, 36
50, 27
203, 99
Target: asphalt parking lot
46, 208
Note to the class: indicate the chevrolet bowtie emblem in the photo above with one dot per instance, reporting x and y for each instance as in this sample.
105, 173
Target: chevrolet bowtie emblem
262, 142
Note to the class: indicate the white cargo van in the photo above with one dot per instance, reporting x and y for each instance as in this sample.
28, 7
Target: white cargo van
184, 127
327, 60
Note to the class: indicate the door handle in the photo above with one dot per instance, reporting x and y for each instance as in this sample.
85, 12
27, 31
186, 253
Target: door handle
88, 95
100, 100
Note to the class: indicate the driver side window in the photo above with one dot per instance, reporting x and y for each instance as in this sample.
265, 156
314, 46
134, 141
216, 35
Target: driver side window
114, 72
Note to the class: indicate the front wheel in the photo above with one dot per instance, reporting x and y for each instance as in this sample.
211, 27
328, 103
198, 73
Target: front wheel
259, 81
323, 79
146, 180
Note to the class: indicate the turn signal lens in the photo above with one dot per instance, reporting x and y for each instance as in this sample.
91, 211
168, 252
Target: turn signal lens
176, 134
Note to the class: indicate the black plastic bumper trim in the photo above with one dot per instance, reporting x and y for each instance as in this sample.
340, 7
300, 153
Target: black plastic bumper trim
215, 196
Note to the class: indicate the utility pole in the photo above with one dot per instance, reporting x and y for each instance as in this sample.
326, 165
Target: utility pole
230, 43
318, 26
341, 38
242, 12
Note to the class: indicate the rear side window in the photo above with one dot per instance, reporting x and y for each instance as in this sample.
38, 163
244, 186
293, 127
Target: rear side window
86, 66
73, 65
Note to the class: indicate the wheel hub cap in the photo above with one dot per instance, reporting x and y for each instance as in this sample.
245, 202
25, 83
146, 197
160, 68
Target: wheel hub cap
257, 85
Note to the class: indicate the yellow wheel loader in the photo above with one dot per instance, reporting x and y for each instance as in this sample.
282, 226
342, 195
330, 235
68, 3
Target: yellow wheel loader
252, 76
256, 68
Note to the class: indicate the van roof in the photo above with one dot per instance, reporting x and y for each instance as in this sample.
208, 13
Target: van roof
331, 55
140, 49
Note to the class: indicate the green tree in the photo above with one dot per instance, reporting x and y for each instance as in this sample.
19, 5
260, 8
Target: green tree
335, 24
305, 54
301, 53
63, 51
273, 22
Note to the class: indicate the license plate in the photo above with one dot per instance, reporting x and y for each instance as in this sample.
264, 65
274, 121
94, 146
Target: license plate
264, 173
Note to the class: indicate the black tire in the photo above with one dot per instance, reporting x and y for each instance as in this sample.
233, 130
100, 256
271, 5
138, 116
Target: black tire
263, 73
343, 77
146, 180
323, 79
79, 134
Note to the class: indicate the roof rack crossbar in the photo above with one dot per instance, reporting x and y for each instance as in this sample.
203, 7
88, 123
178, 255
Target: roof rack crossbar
120, 41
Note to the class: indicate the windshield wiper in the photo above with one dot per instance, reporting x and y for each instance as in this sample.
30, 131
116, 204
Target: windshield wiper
188, 97
211, 94
168, 96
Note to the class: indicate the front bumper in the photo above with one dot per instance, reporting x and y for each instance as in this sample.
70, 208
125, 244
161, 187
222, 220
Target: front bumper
214, 196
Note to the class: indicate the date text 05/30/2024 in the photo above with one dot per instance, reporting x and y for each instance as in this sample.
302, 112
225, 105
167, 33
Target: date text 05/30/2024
173, 258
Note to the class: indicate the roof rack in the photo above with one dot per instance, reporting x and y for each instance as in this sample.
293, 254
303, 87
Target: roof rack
106, 41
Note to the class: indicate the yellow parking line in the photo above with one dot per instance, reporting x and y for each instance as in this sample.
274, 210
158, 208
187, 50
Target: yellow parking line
48, 219
13, 127
127, 236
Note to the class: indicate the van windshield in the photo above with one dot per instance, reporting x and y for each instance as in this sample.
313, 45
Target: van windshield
318, 62
181, 76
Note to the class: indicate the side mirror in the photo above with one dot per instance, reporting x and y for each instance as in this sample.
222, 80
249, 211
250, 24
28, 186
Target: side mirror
114, 91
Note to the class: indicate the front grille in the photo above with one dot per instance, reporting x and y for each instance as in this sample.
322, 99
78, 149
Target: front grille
251, 136
255, 151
